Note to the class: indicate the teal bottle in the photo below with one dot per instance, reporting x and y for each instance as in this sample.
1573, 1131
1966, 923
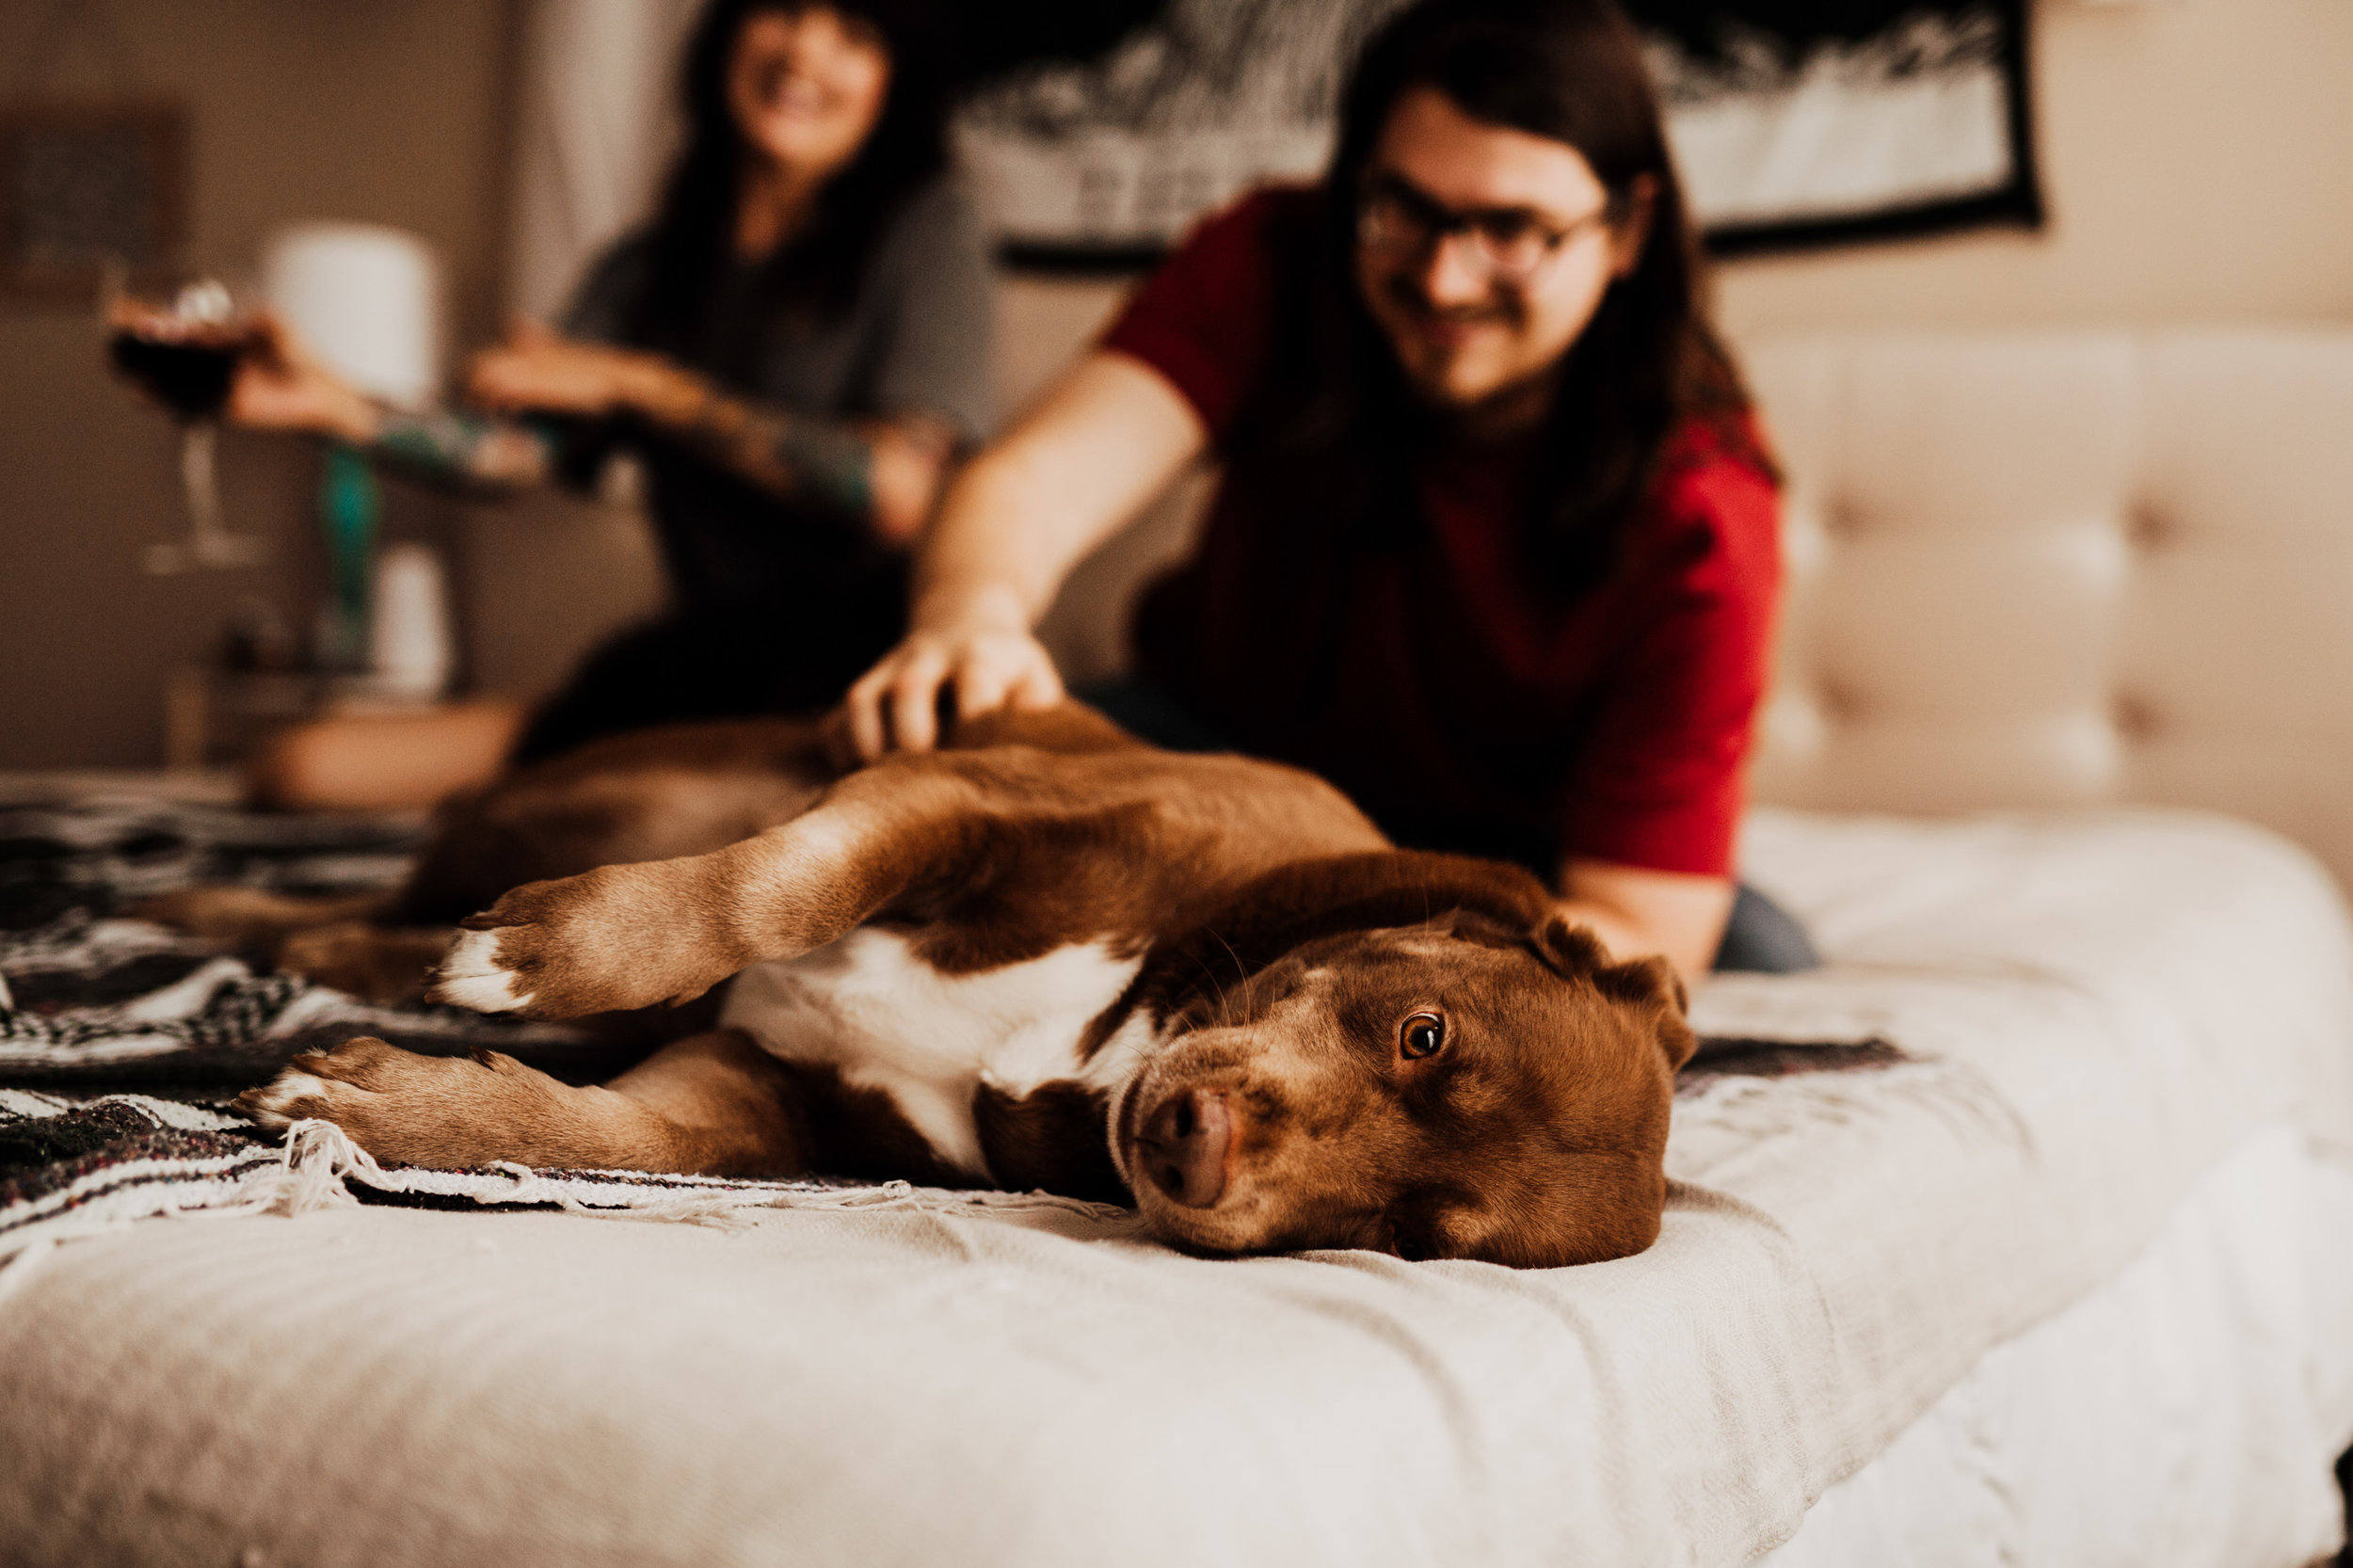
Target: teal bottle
350, 506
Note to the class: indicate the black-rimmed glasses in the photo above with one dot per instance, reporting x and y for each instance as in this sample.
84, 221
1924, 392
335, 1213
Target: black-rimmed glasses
1506, 245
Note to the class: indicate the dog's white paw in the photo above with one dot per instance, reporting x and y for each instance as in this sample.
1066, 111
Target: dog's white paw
471, 976
279, 1103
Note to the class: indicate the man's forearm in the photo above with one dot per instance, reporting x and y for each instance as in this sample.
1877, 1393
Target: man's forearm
1107, 439
988, 561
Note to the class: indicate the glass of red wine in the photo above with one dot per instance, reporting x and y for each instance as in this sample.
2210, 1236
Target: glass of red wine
185, 355
191, 376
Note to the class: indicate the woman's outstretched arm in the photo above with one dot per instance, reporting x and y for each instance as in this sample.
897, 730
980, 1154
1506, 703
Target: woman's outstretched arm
279, 385
881, 473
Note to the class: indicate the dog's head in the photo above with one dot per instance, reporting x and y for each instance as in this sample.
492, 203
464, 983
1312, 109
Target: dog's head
1406, 1052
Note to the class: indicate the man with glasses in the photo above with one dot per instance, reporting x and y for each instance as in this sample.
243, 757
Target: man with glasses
1495, 544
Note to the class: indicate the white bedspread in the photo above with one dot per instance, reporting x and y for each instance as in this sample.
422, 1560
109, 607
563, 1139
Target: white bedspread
2100, 1009
2170, 1420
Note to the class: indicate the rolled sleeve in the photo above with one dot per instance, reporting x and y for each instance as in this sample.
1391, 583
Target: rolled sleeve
1204, 320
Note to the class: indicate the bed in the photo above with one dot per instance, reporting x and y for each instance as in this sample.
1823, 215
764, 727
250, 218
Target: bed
2017, 1233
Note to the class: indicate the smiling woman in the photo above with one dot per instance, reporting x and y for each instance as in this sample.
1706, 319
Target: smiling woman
796, 346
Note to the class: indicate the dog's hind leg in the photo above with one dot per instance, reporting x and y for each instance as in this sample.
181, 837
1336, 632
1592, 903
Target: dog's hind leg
628, 936
715, 1104
332, 940
375, 963
251, 917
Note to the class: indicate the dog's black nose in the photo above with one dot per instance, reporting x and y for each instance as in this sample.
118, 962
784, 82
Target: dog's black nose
1183, 1147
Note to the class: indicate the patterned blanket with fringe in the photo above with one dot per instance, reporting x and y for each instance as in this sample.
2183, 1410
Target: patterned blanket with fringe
123, 1043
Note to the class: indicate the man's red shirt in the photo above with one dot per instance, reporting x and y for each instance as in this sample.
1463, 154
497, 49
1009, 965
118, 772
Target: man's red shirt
1433, 676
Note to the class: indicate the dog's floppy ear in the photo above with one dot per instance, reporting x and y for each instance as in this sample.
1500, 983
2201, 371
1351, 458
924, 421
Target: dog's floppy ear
1654, 981
1570, 952
1574, 953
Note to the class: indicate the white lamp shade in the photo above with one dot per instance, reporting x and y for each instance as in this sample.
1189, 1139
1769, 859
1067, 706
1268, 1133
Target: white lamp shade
367, 300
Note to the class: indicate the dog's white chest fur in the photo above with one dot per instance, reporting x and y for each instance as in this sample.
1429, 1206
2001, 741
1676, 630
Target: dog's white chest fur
889, 1020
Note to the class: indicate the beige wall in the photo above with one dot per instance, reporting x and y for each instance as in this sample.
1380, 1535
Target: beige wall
386, 111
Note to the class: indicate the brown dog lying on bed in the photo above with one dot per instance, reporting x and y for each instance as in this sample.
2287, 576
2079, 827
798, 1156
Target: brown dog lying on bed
1046, 955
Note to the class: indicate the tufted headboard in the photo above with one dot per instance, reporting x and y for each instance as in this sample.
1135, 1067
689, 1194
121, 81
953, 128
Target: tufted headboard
2057, 569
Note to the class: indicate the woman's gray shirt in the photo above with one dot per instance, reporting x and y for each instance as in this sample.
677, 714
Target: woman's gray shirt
915, 340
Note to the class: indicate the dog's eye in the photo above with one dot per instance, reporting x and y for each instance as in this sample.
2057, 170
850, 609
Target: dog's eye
1421, 1035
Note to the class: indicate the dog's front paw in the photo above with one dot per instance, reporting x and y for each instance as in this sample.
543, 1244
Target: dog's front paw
296, 1095
616, 939
471, 976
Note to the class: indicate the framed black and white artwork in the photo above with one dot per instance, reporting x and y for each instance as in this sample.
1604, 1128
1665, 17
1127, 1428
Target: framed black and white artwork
1104, 163
1804, 122
1794, 123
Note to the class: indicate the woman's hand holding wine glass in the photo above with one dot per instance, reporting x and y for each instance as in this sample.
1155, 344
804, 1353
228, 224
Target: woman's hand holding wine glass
189, 356
253, 371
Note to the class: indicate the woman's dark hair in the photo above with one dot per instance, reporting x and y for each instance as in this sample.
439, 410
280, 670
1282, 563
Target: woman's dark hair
1570, 71
818, 269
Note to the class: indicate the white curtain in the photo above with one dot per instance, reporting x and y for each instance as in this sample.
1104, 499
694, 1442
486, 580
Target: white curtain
596, 125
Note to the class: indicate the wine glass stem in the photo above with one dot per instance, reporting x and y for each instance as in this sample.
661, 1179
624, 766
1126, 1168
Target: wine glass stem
198, 478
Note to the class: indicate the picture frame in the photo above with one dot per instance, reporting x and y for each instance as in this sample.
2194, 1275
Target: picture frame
87, 186
1799, 126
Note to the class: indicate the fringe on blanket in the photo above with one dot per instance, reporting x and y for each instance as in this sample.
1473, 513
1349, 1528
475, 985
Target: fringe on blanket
322, 1163
199, 1162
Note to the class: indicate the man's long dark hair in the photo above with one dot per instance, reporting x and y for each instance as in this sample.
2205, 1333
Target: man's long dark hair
818, 268
1336, 425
